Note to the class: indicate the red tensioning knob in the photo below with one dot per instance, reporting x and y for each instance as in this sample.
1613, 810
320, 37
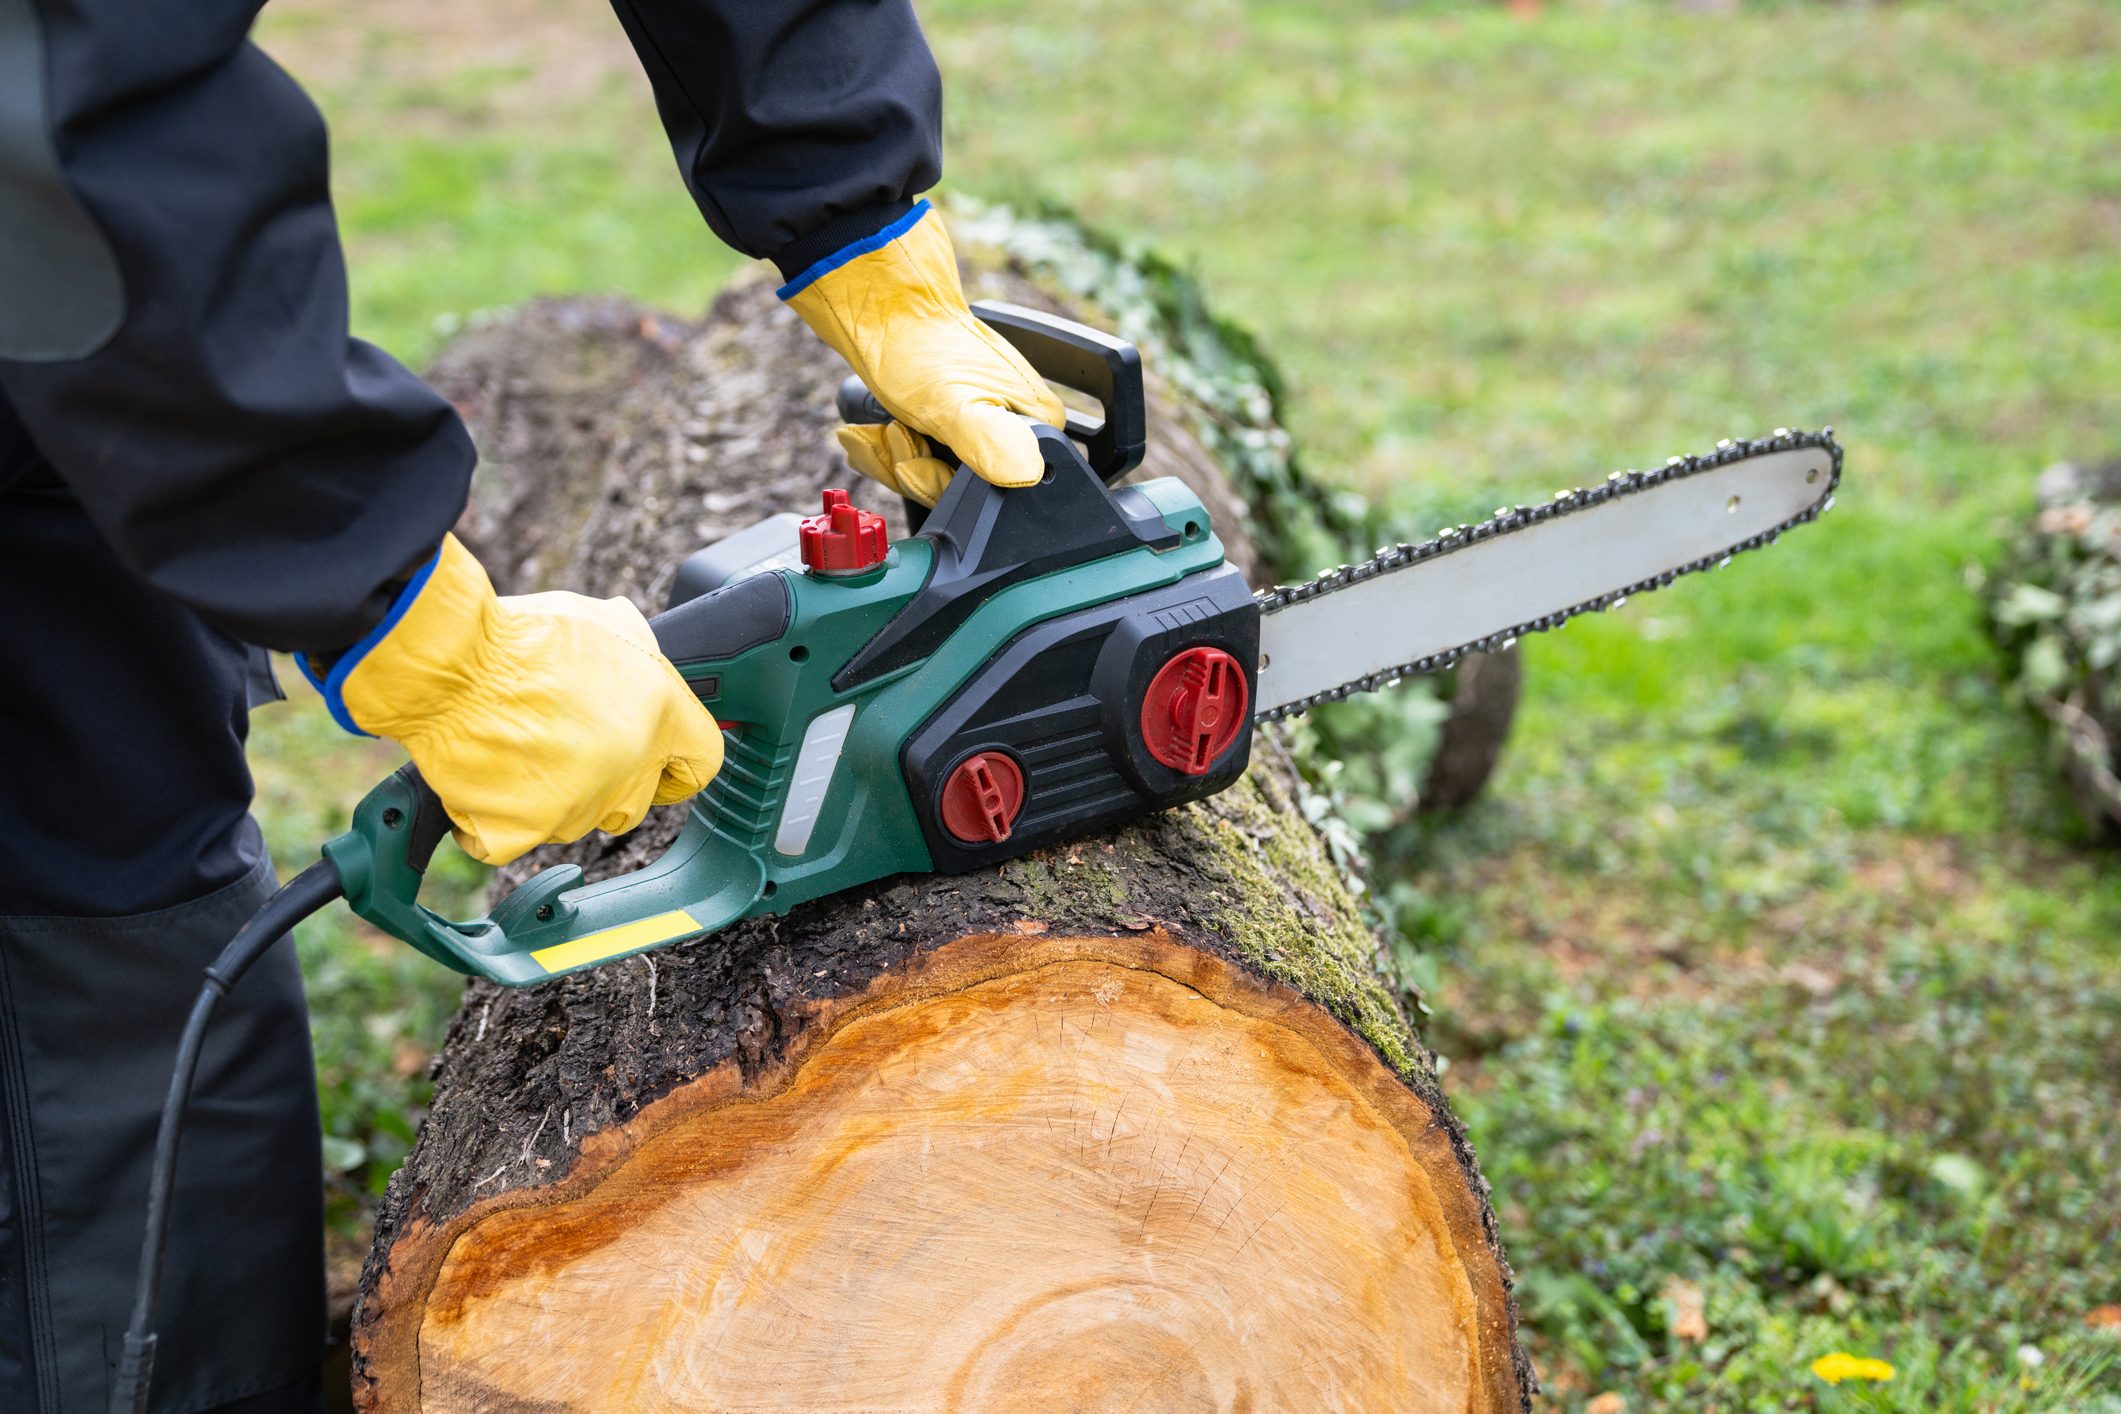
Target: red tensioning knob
983, 797
1194, 709
843, 540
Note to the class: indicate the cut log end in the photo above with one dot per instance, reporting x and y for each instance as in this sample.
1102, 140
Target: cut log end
1080, 1173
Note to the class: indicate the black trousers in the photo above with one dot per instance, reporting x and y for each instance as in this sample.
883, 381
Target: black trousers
126, 861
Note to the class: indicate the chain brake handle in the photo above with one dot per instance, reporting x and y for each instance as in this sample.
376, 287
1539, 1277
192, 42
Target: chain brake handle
1072, 355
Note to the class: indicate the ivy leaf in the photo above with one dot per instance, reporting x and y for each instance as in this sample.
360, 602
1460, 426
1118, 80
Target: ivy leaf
1959, 1175
2030, 604
341, 1154
2101, 615
2045, 668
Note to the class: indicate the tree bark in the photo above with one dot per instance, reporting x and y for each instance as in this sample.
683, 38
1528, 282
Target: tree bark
1132, 1123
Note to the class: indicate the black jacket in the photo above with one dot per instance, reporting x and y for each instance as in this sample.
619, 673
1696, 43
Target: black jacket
173, 323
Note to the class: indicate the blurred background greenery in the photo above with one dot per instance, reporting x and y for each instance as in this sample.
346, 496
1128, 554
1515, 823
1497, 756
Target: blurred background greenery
1778, 988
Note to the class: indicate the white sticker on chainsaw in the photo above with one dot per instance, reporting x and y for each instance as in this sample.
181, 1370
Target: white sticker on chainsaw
814, 765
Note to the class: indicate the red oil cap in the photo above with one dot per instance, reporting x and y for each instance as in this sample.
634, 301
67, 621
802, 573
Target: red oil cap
1194, 709
983, 797
843, 540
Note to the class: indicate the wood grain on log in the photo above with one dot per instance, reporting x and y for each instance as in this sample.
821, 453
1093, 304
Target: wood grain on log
1132, 1123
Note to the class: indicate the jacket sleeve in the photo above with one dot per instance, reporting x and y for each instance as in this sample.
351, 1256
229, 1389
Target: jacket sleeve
234, 445
237, 448
800, 126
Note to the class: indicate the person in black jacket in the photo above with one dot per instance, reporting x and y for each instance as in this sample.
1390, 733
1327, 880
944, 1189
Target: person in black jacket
196, 457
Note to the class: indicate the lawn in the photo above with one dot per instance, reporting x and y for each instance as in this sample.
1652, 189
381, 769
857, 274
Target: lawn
1780, 994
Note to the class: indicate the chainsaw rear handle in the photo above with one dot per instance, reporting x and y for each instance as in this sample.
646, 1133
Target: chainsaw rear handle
550, 923
1072, 355
423, 826
382, 859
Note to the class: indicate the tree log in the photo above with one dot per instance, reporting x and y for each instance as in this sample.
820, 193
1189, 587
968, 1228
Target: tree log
1483, 705
1133, 1123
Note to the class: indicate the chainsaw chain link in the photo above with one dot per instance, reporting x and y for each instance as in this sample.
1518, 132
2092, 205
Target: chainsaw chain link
1515, 518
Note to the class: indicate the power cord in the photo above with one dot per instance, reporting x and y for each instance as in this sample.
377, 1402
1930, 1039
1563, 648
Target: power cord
296, 900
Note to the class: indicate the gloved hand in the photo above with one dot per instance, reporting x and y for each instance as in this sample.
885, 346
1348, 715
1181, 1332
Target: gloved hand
536, 718
892, 307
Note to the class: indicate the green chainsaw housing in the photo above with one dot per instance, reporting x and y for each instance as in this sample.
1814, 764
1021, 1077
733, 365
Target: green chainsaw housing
1028, 630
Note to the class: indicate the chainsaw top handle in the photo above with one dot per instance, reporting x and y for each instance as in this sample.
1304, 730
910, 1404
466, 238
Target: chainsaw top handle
1070, 355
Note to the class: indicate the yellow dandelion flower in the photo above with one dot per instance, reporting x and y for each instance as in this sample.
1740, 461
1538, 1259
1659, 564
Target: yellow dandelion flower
1843, 1366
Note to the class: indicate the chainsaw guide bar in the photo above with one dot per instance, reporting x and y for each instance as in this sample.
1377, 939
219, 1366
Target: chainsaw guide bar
1414, 609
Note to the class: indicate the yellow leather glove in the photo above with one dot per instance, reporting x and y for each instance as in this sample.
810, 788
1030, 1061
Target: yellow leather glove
891, 305
536, 718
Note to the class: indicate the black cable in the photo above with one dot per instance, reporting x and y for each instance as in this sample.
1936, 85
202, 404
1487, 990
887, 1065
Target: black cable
299, 897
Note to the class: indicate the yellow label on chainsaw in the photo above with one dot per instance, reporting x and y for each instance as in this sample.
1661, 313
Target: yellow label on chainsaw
627, 937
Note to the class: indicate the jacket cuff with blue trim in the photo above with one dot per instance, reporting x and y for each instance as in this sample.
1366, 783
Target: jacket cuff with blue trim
331, 682
832, 246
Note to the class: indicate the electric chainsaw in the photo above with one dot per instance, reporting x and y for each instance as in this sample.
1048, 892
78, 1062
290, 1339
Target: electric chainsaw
1030, 665
1036, 664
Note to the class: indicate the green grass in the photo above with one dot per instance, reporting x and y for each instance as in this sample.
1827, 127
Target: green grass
1857, 1083
1772, 964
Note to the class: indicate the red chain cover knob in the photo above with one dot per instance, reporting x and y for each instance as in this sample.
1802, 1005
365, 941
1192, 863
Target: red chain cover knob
844, 540
1195, 709
983, 797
